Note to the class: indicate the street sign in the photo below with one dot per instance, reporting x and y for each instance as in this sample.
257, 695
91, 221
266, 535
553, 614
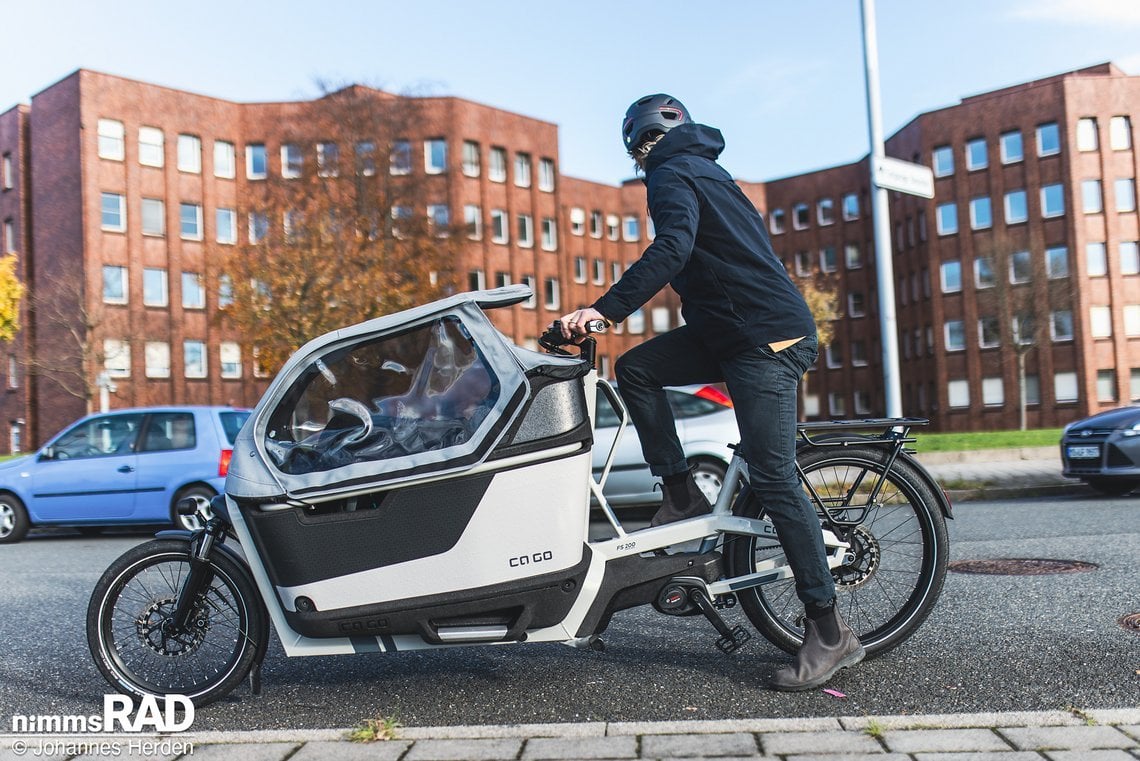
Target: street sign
903, 176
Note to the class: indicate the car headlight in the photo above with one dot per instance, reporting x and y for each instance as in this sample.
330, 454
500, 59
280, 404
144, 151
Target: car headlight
1133, 431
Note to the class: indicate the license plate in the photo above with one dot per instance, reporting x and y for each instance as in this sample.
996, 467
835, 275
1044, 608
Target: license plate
1084, 453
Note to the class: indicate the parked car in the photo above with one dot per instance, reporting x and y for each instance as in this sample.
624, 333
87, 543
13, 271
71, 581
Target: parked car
706, 425
120, 468
1104, 450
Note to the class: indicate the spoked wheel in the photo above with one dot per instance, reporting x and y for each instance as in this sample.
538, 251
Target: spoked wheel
896, 566
139, 649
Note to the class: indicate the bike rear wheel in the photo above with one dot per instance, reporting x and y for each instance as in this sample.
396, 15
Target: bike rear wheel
136, 648
899, 544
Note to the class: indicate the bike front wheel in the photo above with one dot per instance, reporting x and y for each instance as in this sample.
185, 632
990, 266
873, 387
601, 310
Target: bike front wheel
898, 558
138, 649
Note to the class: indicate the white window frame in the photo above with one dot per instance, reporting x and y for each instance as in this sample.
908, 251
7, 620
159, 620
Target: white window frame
549, 234
182, 207
546, 175
1042, 151
471, 163
292, 161
1128, 252
122, 212
252, 150
630, 228
980, 283
1046, 213
155, 204
117, 357
1100, 321
156, 356
225, 159
613, 226
856, 304
190, 370
1092, 197
852, 256
1065, 388
162, 283
975, 205
577, 221
152, 146
193, 284
1005, 141
110, 270
994, 340
850, 206
525, 228
993, 392
500, 221
1124, 193
1010, 218
777, 223
825, 211
473, 221
229, 359
9, 236
1051, 256
1131, 319
111, 140
1120, 133
946, 267
1096, 259
828, 259
836, 404
7, 173
579, 269
189, 154
942, 224
225, 218
1014, 258
530, 282
1087, 141
431, 166
551, 296
1106, 385
400, 158
1056, 336
938, 160
961, 326
328, 159
497, 164
958, 394
801, 216
522, 165
973, 163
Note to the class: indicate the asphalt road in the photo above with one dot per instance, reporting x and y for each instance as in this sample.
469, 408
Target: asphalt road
994, 643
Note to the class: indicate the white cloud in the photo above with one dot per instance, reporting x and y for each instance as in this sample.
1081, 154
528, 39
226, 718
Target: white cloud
1116, 13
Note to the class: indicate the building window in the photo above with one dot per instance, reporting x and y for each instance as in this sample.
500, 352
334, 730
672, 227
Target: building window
599, 272
526, 231
476, 280
114, 284
155, 289
1091, 202
1061, 325
984, 273
800, 216
825, 211
1096, 259
471, 158
194, 359
225, 220
1129, 257
951, 276
225, 291
9, 236
1100, 321
976, 157
595, 224
256, 167
500, 228
828, 259
1120, 133
400, 158
993, 392
157, 356
292, 161
193, 291
258, 227
224, 162
834, 356
989, 333
613, 225
328, 160
1012, 150
497, 168
946, 219
958, 394
1057, 262
776, 221
577, 221
803, 263
1065, 387
1132, 320
529, 282
550, 293
522, 170
229, 357
579, 269
942, 160
111, 139
1086, 134
850, 207
1106, 385
549, 234
473, 221
615, 272
151, 146
7, 173
631, 229
117, 358
659, 319
1052, 201
858, 353
1016, 207
435, 155
955, 335
502, 279
189, 154
153, 216
546, 175
1125, 195
114, 212
1020, 267
190, 221
439, 217
1048, 139
855, 305
365, 152
853, 256
981, 213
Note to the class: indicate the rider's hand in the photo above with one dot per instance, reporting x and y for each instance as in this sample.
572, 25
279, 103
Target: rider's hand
574, 324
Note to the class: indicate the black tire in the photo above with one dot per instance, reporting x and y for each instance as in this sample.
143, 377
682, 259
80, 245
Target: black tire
709, 475
14, 522
202, 495
900, 543
1113, 487
136, 594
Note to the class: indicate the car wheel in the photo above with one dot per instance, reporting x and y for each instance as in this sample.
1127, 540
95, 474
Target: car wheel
709, 475
1113, 487
200, 494
14, 523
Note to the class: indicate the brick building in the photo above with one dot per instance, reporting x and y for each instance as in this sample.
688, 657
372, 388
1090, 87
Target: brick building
115, 192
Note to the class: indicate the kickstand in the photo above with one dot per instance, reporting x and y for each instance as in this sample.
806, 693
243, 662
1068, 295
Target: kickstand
730, 638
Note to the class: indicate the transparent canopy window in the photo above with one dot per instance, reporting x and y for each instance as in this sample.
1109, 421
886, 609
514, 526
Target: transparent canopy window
417, 391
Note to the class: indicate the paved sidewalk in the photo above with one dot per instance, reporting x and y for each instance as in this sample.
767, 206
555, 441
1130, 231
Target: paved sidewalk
1108, 735
1001, 473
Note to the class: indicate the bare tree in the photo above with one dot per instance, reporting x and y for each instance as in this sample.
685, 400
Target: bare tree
66, 352
344, 234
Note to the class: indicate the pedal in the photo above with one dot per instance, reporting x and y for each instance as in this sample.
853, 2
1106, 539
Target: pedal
732, 641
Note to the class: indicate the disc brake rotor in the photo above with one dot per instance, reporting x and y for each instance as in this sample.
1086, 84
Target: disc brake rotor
867, 555
156, 631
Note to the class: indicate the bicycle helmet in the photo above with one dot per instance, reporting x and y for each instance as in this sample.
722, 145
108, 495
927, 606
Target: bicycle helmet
650, 115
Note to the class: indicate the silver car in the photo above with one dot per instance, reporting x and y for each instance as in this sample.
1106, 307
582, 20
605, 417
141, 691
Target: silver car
706, 425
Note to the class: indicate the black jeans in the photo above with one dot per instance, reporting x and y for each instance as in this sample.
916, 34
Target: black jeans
763, 387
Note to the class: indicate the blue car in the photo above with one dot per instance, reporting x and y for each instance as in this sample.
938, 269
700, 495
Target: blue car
127, 467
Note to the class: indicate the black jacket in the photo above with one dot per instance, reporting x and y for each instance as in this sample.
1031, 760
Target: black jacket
711, 246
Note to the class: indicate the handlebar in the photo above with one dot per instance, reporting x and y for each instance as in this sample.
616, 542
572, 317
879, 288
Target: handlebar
553, 339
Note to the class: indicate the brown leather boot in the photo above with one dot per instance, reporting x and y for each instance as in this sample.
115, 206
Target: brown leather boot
818, 661
680, 500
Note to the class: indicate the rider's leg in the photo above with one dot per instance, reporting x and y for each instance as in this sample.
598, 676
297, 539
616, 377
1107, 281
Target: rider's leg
763, 385
676, 358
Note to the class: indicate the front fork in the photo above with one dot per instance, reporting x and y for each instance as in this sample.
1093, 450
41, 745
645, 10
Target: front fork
201, 572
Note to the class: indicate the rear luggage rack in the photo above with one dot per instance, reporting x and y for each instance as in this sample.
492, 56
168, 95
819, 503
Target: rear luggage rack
823, 433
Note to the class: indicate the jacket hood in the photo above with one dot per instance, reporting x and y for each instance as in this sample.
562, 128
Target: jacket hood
689, 139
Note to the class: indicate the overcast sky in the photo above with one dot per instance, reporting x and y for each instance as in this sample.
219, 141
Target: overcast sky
783, 80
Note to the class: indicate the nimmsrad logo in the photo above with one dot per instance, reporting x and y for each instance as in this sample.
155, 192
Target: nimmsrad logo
120, 714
